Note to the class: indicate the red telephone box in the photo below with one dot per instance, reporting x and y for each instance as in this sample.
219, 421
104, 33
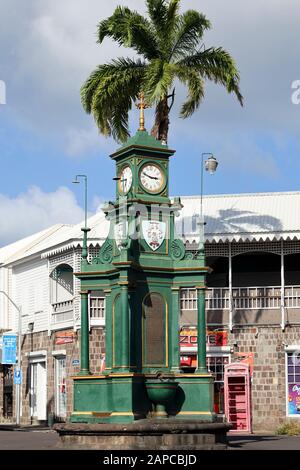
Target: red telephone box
237, 396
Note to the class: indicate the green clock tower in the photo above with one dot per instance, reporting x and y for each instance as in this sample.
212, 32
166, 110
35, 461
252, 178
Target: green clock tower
141, 268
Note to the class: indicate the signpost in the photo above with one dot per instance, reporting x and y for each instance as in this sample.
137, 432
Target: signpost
17, 377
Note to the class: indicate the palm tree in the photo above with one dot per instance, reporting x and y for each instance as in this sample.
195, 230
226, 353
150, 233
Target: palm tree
169, 47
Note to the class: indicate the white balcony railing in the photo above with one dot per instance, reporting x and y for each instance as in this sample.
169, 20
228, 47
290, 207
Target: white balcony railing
243, 298
62, 311
97, 308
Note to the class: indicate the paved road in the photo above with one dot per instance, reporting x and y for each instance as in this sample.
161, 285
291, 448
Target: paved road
28, 440
37, 439
258, 442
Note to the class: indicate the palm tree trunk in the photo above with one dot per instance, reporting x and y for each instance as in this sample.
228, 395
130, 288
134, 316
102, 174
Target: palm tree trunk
161, 126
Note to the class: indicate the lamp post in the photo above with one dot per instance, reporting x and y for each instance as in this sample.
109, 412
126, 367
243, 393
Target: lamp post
210, 165
85, 229
18, 385
84, 340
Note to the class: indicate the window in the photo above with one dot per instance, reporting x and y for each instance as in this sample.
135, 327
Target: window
61, 391
215, 365
293, 383
97, 308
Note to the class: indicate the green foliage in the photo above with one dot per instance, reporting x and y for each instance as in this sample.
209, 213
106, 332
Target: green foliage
290, 428
169, 47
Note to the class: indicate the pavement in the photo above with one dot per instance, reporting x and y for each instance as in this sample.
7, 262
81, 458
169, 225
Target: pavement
43, 438
263, 442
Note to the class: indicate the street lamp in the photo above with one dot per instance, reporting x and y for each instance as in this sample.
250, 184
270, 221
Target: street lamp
84, 340
211, 165
85, 229
18, 384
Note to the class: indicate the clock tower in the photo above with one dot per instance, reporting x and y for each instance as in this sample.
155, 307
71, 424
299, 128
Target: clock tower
140, 269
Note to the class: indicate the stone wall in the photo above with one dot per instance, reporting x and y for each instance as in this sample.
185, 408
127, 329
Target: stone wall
268, 381
267, 343
42, 342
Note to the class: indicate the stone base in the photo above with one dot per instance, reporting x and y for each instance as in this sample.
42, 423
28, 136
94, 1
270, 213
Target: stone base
148, 434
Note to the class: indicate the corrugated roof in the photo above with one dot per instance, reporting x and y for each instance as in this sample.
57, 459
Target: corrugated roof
235, 217
22, 245
243, 217
34, 244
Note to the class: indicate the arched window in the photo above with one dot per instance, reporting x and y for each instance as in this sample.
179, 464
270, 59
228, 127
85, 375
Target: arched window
61, 284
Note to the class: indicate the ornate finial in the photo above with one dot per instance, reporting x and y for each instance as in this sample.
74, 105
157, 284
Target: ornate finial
142, 106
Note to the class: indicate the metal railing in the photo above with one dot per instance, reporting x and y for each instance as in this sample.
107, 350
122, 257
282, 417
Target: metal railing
243, 298
62, 311
97, 308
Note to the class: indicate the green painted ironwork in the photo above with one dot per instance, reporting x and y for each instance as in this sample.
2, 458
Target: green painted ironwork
129, 271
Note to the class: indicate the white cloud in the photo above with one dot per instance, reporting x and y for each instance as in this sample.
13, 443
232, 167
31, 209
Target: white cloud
52, 48
79, 141
36, 210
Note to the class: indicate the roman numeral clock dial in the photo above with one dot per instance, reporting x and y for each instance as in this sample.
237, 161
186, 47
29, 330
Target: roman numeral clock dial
152, 178
125, 180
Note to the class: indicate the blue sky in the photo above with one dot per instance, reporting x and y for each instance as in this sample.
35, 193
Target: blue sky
48, 48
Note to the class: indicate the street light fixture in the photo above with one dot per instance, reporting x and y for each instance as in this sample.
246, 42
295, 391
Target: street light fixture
18, 385
76, 181
211, 165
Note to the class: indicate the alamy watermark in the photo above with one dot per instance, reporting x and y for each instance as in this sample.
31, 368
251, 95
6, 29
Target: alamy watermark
2, 92
134, 220
296, 94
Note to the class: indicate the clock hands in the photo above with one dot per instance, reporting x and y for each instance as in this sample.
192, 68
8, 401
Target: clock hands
152, 177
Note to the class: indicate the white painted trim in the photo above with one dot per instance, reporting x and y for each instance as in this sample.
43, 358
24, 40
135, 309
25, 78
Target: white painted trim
230, 287
97, 322
282, 287
292, 347
61, 352
42, 352
209, 350
220, 349
62, 326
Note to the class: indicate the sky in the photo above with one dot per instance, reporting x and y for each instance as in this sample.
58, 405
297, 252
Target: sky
48, 48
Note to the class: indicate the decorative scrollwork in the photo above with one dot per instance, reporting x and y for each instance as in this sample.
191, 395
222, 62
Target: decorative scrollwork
177, 250
189, 255
105, 255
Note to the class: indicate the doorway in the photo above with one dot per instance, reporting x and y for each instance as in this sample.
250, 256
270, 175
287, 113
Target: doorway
38, 390
60, 386
7, 391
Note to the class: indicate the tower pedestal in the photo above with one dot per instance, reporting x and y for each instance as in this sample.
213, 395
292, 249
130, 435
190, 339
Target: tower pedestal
154, 434
123, 398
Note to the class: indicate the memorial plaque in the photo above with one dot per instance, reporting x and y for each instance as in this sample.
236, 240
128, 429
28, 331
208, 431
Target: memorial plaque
154, 330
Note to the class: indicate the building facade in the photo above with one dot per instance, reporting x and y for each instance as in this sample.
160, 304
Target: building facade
252, 246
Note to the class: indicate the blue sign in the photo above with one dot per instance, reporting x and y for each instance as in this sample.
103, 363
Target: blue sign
75, 362
17, 377
9, 349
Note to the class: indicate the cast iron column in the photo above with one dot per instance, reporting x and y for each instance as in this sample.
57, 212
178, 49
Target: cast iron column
201, 326
124, 340
84, 339
108, 329
174, 323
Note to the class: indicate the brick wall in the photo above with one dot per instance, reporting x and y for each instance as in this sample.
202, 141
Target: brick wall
268, 381
42, 342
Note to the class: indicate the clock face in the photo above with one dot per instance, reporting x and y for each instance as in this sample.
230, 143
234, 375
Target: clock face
152, 178
125, 180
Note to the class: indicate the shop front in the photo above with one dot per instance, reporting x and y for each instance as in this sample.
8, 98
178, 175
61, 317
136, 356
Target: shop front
218, 356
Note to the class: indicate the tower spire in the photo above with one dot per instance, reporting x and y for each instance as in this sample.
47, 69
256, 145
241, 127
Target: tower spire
142, 105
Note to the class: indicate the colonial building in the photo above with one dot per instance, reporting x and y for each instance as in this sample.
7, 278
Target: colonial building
252, 245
